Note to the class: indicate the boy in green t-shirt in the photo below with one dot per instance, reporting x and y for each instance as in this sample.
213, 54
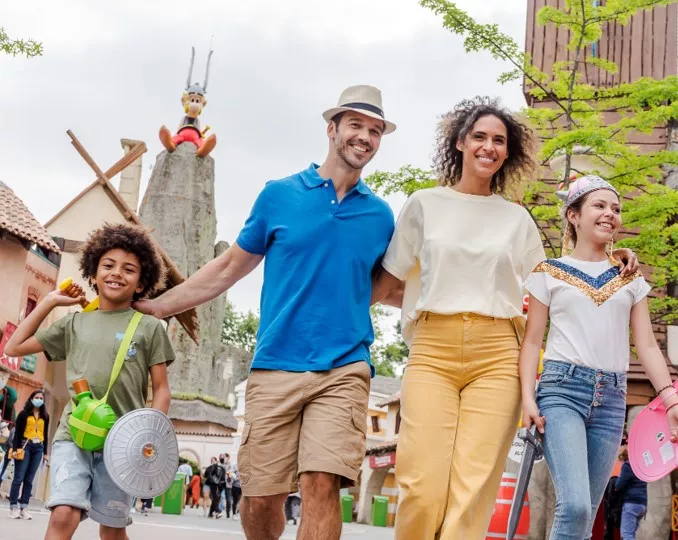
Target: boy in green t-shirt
122, 264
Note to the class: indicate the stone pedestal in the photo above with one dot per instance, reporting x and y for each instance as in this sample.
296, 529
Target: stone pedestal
179, 208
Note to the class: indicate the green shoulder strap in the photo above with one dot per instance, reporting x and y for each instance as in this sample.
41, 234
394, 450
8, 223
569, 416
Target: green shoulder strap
122, 351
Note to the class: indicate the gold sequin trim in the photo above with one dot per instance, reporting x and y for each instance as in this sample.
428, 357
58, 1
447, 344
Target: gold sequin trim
599, 296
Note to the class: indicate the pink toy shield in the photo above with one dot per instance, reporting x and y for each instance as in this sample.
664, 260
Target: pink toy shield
651, 453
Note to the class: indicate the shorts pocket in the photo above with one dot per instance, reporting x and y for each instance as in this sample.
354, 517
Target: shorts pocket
244, 455
353, 451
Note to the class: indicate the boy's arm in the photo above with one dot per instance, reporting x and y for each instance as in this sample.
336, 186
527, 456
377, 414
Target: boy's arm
161, 389
23, 340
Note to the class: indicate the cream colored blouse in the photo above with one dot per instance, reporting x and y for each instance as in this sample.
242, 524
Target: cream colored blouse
462, 253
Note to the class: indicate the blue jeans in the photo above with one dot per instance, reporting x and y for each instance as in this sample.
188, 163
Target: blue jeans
585, 411
24, 472
632, 513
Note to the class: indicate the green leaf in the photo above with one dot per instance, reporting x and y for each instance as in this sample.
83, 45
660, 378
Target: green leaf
28, 48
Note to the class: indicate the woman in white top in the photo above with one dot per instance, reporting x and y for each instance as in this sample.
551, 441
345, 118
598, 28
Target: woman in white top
464, 252
582, 389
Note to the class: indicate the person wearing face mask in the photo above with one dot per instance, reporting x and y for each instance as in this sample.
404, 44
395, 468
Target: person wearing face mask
30, 435
580, 404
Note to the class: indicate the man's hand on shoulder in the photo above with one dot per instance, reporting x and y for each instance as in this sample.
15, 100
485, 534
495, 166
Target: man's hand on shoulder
149, 307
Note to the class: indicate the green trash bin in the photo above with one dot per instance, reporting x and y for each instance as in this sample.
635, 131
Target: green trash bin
175, 496
347, 508
379, 510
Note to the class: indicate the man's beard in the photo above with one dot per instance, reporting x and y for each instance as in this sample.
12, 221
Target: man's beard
346, 154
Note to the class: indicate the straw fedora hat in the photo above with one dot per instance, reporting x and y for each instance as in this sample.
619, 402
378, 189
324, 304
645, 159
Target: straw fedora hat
362, 99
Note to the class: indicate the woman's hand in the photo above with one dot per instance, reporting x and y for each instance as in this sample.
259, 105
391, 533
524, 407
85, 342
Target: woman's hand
531, 415
628, 259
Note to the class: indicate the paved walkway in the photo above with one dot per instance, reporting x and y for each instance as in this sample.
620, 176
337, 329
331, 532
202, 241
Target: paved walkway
157, 526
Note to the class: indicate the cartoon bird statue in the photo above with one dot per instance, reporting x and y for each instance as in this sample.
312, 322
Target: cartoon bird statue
194, 101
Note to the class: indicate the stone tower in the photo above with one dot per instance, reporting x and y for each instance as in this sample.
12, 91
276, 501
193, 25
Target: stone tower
179, 208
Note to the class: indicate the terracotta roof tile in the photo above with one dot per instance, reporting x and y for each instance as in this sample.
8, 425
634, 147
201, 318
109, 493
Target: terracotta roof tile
385, 385
16, 219
395, 398
382, 448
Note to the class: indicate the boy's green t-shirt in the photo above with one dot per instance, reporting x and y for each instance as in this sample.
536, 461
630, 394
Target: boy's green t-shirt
89, 343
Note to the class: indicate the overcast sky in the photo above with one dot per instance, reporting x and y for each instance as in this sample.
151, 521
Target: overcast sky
115, 70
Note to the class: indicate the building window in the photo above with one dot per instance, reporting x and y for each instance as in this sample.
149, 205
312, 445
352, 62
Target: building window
397, 426
30, 306
375, 424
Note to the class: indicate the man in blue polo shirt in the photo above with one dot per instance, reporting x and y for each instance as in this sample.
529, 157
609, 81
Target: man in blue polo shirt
322, 233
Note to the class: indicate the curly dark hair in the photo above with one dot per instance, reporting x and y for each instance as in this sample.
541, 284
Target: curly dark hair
132, 239
457, 125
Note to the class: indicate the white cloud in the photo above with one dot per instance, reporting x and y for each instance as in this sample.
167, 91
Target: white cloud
117, 69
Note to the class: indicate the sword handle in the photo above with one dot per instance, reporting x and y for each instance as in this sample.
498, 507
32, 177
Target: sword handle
533, 437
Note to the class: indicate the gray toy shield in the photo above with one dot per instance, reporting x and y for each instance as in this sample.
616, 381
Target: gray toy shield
141, 453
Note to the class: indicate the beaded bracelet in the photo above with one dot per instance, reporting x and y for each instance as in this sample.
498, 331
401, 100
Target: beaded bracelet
671, 406
665, 388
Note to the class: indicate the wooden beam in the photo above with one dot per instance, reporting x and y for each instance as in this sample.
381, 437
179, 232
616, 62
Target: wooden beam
125, 161
81, 150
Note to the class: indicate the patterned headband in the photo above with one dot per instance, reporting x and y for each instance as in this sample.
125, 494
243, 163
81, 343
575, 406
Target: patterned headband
583, 186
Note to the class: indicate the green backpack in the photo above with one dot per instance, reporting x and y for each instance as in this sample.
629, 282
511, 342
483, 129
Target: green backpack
91, 419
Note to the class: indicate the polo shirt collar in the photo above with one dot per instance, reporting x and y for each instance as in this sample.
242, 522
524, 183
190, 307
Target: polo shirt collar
313, 180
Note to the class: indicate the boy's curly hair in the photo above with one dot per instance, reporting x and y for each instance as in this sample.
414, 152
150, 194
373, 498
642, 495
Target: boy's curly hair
129, 238
457, 124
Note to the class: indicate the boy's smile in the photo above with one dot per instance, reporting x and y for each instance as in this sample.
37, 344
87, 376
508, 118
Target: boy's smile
117, 278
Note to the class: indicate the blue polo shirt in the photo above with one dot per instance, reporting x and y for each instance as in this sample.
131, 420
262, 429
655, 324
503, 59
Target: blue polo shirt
319, 257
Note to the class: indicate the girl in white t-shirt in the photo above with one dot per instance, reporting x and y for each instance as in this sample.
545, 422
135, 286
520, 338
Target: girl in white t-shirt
582, 389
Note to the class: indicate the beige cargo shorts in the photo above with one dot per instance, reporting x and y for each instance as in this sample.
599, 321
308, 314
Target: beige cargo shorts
303, 422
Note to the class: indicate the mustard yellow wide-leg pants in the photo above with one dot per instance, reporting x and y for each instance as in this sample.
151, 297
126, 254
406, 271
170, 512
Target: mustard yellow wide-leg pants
460, 406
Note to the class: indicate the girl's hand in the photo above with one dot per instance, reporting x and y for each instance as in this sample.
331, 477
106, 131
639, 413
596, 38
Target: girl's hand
672, 417
70, 297
531, 415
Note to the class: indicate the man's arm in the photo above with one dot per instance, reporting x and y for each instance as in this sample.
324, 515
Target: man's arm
212, 280
387, 289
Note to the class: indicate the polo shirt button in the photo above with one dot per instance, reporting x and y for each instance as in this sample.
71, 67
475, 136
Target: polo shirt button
325, 184
334, 201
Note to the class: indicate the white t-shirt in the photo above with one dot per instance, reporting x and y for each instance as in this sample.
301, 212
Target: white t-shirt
462, 253
590, 311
